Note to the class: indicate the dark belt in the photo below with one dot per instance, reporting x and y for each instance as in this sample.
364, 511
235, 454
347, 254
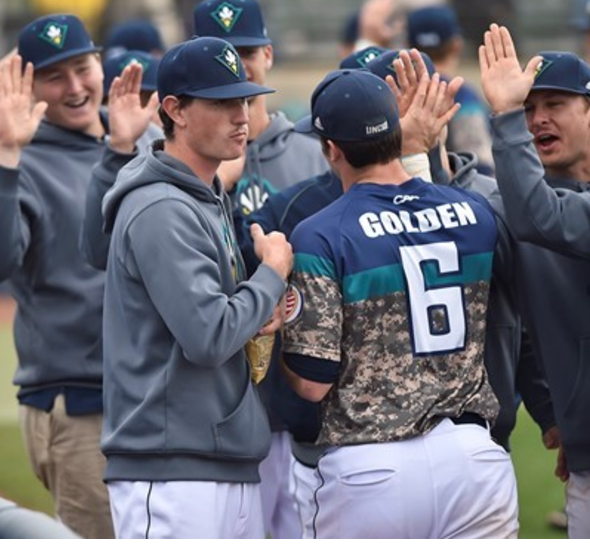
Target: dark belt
470, 418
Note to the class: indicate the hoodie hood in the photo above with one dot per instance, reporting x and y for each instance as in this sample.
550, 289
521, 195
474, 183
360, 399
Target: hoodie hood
155, 166
274, 140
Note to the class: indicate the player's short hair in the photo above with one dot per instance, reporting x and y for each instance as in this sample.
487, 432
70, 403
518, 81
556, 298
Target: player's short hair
370, 152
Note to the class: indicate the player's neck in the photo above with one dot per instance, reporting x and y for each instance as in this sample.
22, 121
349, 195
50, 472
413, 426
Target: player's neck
389, 174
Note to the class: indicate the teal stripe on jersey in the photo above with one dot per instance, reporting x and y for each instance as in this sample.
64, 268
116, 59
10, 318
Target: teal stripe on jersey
382, 281
474, 268
314, 265
373, 283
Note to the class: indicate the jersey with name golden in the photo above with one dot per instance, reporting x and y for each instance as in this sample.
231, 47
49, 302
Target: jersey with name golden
393, 284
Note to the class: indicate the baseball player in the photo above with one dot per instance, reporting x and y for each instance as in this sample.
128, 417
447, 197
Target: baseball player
541, 135
184, 428
392, 281
52, 131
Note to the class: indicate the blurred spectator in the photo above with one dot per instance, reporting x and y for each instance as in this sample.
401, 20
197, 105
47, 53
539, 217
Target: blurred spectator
580, 21
435, 31
89, 11
137, 35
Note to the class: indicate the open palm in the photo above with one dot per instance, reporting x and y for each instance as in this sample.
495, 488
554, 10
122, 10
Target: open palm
20, 114
128, 119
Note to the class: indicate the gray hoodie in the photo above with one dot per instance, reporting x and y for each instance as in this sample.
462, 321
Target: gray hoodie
58, 325
179, 402
277, 159
552, 288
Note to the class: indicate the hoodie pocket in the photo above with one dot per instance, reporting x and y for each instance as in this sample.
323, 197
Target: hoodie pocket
245, 433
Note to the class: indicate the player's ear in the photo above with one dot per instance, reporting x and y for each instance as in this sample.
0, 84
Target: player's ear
171, 105
333, 152
268, 56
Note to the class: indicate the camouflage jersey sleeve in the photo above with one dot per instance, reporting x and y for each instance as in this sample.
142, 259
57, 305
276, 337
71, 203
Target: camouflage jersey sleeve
314, 318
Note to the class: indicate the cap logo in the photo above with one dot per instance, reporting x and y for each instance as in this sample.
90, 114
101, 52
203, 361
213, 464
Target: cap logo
226, 16
318, 124
368, 57
55, 34
428, 39
134, 60
229, 59
376, 129
542, 66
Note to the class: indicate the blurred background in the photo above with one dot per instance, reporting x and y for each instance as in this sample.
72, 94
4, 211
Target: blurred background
307, 36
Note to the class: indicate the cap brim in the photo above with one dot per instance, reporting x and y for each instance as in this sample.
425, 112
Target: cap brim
67, 55
247, 41
560, 88
243, 89
304, 125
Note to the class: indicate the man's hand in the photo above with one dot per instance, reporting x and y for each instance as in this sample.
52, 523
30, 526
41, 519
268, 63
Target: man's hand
561, 471
551, 438
273, 250
20, 114
276, 320
128, 119
432, 107
505, 85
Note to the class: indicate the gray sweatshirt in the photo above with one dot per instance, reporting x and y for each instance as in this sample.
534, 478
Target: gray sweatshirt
179, 401
552, 288
58, 325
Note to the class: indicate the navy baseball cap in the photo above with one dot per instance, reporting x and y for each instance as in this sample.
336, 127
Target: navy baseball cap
382, 66
432, 26
205, 68
239, 22
137, 35
360, 59
562, 71
54, 38
351, 106
113, 67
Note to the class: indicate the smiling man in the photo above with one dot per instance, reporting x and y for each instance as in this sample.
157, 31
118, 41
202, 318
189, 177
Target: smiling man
51, 133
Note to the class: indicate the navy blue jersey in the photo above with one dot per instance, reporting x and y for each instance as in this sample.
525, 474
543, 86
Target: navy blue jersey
391, 282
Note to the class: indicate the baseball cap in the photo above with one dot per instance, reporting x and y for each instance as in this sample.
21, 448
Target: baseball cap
113, 67
136, 35
360, 59
432, 26
382, 65
54, 38
239, 22
562, 71
205, 67
352, 106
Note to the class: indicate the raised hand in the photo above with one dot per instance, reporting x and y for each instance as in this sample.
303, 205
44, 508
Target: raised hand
433, 106
409, 68
20, 114
504, 83
128, 119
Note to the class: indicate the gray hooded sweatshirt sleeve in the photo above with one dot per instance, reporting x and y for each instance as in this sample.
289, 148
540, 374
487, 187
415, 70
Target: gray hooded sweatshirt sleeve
179, 401
555, 218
